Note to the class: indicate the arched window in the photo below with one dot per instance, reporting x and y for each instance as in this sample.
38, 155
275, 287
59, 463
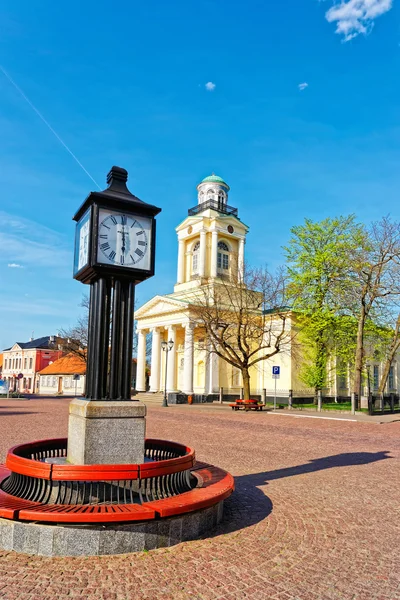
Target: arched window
221, 198
195, 260
210, 193
223, 257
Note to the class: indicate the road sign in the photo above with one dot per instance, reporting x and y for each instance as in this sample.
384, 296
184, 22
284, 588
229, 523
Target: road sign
276, 372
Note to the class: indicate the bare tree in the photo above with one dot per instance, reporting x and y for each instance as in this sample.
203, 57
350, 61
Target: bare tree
77, 336
377, 283
246, 320
391, 352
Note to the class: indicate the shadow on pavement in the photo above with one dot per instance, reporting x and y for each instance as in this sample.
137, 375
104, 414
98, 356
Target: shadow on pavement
249, 505
9, 413
346, 459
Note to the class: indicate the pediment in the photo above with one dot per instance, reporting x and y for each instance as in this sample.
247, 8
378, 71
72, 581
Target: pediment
160, 305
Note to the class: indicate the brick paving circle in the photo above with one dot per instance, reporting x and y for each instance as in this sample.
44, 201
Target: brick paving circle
314, 515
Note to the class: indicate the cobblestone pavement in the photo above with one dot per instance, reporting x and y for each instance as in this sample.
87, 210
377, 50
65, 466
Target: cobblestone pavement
315, 514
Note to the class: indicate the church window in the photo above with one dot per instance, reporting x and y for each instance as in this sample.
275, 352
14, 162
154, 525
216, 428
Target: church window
391, 378
376, 377
236, 377
195, 263
223, 257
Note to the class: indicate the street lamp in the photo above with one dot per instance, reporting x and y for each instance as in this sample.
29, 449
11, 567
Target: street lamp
166, 346
368, 367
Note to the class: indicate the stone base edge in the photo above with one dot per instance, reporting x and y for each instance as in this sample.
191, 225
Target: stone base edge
99, 540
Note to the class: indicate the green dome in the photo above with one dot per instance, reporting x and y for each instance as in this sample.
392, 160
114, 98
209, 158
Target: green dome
215, 179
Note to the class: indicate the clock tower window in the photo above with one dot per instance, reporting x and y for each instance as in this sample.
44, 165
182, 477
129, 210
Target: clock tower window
223, 257
195, 258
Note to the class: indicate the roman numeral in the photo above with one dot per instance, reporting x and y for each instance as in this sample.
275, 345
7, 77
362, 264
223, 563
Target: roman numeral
105, 246
104, 225
134, 223
132, 259
122, 259
139, 252
141, 232
104, 236
113, 219
141, 243
123, 219
112, 255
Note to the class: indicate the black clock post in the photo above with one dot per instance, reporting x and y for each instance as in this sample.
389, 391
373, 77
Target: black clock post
114, 251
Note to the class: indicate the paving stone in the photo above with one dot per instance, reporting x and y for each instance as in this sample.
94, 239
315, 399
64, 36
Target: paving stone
313, 517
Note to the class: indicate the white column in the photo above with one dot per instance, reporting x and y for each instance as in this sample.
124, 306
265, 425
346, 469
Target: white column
213, 373
181, 261
141, 362
214, 250
155, 361
241, 260
202, 269
188, 360
171, 379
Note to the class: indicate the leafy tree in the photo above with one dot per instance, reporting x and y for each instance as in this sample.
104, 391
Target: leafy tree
319, 265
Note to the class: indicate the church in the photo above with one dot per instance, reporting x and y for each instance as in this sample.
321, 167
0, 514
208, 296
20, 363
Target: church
211, 245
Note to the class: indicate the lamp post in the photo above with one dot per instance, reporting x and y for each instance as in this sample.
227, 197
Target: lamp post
166, 346
368, 367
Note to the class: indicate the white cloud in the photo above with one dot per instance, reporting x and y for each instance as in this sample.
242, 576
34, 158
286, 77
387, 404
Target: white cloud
353, 17
303, 86
27, 242
14, 266
210, 86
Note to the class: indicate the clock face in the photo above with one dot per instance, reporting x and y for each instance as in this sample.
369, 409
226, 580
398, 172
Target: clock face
82, 238
124, 240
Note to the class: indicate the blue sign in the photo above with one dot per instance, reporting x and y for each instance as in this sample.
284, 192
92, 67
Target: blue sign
276, 370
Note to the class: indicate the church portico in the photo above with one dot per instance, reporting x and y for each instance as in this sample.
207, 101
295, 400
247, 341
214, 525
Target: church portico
211, 243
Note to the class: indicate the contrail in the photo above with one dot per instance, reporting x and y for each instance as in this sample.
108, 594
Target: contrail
39, 114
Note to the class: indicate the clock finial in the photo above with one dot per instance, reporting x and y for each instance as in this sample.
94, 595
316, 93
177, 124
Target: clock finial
117, 177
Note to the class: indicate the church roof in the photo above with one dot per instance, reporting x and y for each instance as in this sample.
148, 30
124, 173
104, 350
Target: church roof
215, 179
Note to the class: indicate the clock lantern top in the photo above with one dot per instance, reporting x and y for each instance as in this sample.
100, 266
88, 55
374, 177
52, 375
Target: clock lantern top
115, 234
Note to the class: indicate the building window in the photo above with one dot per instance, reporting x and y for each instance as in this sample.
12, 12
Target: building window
391, 378
223, 257
235, 377
376, 377
195, 261
30, 363
29, 383
25, 363
5, 364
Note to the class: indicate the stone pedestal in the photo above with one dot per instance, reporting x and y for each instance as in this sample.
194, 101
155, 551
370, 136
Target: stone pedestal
106, 432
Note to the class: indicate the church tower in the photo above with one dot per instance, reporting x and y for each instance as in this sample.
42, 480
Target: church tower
211, 239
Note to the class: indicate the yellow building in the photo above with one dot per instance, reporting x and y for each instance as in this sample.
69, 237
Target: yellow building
211, 245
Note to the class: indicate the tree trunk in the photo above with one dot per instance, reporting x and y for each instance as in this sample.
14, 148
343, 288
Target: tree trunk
320, 364
246, 383
359, 356
394, 346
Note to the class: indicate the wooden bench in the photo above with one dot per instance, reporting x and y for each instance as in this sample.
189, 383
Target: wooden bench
247, 405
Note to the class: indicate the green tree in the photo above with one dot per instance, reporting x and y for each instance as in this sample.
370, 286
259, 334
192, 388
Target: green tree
319, 256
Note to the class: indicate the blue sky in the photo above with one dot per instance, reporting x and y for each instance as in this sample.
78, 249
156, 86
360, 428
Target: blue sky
127, 86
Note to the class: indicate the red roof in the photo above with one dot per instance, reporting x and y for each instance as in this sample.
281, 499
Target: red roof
66, 365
